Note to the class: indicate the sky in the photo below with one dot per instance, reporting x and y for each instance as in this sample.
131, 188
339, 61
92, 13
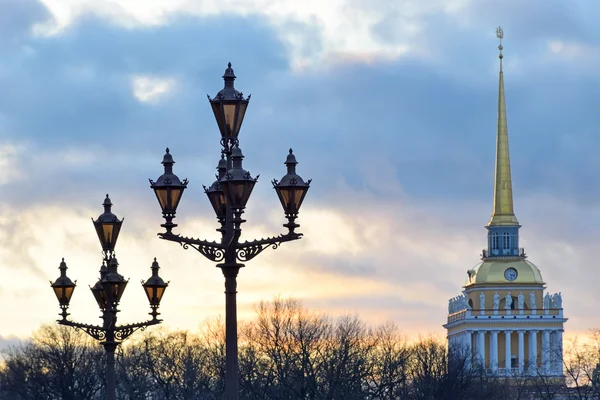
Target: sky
390, 108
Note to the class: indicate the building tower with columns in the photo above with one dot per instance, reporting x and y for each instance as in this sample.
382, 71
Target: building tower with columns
504, 319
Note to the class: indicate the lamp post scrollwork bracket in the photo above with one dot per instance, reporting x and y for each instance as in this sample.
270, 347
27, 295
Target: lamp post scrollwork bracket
246, 251
95, 331
123, 332
212, 250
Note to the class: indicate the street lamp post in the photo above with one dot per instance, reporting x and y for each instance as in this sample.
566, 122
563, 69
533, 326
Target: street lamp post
107, 292
228, 196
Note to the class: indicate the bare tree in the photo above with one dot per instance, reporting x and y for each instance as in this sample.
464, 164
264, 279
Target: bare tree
58, 363
390, 376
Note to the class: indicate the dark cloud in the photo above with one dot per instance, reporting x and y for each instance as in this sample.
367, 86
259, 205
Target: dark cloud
436, 130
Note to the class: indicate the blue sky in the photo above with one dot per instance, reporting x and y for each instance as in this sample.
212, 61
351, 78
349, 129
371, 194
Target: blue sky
390, 108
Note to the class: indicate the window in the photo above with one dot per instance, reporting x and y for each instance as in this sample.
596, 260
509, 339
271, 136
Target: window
494, 241
506, 240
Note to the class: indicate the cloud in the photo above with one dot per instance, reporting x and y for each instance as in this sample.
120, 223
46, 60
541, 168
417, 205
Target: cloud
394, 122
151, 89
311, 31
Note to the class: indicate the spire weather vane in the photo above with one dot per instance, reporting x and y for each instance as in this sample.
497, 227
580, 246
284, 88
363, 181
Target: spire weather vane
500, 35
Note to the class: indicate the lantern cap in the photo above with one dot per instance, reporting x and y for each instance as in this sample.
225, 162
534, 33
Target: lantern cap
291, 178
222, 165
229, 74
168, 178
229, 92
167, 158
155, 280
112, 275
107, 215
291, 158
63, 280
237, 172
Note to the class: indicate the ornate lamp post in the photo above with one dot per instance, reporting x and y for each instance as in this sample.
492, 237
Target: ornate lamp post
228, 196
107, 292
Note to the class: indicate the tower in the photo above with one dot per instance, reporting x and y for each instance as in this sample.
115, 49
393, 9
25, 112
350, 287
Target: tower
504, 319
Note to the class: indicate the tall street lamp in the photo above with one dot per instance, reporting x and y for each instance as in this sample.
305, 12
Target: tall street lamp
107, 292
228, 196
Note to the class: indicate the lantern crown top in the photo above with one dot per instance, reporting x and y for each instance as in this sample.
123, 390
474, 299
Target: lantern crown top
237, 153
112, 274
155, 279
168, 177
229, 74
291, 178
107, 203
63, 267
63, 279
103, 270
168, 158
229, 92
291, 159
107, 216
222, 163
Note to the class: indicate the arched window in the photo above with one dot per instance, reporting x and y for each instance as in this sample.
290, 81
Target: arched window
494, 241
506, 240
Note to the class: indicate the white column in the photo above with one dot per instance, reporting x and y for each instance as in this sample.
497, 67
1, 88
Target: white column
558, 352
552, 352
507, 351
468, 347
546, 352
521, 351
481, 348
494, 351
533, 352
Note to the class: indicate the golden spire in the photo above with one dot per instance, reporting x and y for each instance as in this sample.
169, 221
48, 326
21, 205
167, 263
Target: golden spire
503, 213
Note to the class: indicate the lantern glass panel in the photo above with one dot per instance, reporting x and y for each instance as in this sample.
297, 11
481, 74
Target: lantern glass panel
68, 292
159, 293
286, 196
161, 194
107, 229
58, 293
99, 295
219, 117
175, 196
229, 111
241, 113
237, 193
217, 200
298, 197
149, 292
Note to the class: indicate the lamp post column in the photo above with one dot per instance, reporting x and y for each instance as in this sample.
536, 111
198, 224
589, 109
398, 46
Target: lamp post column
231, 345
111, 382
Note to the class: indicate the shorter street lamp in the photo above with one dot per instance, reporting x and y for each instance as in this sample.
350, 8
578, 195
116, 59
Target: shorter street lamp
108, 292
